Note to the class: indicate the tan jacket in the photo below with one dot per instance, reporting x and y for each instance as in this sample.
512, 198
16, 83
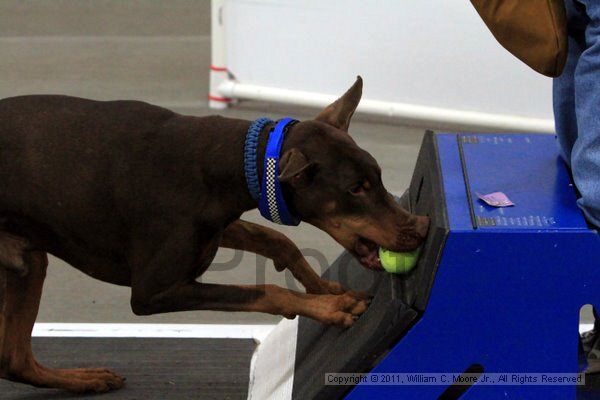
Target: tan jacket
535, 31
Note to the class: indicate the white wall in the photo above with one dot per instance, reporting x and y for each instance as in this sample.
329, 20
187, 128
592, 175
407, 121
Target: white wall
426, 52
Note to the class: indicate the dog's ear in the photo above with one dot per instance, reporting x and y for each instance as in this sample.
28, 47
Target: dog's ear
340, 111
294, 167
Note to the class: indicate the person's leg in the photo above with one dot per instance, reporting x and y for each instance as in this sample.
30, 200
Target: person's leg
563, 88
585, 155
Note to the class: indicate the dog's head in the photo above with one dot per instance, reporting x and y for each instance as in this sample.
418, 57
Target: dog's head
335, 185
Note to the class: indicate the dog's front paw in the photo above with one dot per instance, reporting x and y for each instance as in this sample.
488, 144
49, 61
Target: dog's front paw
340, 310
331, 287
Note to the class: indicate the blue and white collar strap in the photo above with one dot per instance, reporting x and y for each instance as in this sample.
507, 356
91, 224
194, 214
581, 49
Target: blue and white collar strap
271, 202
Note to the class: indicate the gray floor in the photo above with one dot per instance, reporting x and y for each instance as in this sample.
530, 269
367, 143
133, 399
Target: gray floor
158, 52
174, 369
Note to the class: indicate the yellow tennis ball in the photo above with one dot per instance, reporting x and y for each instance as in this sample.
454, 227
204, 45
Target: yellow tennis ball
398, 263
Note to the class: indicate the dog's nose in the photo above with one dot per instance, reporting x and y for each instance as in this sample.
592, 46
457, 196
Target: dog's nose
422, 226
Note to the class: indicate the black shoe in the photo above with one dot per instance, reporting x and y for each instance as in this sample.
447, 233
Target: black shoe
590, 342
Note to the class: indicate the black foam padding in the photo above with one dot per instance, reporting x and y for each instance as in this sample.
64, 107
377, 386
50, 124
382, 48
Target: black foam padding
426, 197
398, 300
156, 369
321, 349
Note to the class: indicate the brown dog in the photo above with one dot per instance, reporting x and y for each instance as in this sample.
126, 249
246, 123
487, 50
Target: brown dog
137, 195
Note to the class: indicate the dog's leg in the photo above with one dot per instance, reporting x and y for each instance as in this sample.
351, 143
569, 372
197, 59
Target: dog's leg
243, 235
163, 280
20, 299
331, 309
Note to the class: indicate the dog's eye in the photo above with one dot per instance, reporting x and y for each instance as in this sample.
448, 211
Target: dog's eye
356, 189
360, 187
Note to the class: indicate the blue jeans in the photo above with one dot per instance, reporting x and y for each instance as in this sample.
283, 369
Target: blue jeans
576, 97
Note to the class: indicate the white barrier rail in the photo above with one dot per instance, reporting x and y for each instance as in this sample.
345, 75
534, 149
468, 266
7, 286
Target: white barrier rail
198, 331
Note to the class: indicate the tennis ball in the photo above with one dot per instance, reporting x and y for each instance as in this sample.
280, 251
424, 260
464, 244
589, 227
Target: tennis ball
398, 263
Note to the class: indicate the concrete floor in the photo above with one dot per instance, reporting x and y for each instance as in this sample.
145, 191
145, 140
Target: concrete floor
158, 52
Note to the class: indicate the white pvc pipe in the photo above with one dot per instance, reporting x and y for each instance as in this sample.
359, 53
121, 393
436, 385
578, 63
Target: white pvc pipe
422, 115
218, 66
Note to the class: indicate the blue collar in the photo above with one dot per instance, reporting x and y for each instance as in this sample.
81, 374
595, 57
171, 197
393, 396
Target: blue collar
269, 194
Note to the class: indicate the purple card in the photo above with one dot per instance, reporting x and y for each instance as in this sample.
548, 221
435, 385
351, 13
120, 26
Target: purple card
496, 199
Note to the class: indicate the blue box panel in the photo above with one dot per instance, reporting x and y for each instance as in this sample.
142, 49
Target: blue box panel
527, 168
508, 283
